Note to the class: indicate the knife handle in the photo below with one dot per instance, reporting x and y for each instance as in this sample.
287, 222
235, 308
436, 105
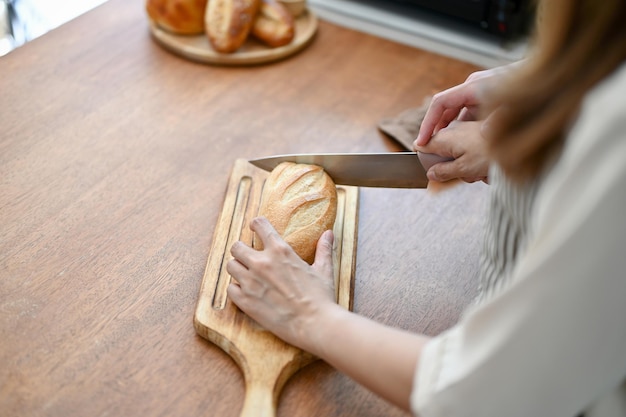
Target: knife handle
429, 159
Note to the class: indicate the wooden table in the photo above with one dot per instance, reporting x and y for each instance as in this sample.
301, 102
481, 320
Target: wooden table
114, 158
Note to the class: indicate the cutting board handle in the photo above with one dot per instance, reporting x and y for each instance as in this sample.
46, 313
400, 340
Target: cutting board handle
259, 400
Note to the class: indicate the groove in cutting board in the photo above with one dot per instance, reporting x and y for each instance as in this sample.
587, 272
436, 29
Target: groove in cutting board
234, 232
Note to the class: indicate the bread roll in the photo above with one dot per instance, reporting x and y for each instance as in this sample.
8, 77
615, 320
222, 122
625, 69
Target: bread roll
228, 23
300, 201
182, 17
274, 24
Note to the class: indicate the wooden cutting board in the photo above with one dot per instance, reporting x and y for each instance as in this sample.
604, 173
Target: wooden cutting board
266, 361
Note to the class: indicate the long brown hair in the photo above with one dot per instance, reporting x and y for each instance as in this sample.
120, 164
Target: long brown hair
576, 44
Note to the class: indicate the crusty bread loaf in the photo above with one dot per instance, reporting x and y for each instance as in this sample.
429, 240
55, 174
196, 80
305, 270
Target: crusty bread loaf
300, 201
182, 17
274, 24
228, 23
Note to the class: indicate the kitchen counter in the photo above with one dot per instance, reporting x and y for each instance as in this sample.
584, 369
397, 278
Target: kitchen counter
114, 160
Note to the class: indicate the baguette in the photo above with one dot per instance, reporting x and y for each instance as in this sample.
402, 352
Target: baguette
228, 23
300, 201
274, 24
181, 17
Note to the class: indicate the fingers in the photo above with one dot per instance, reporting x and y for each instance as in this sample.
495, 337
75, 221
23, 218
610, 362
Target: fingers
248, 282
242, 254
264, 230
239, 271
430, 122
444, 171
448, 116
249, 257
245, 299
233, 291
268, 234
468, 114
324, 253
438, 111
446, 106
463, 142
441, 144
468, 167
447, 171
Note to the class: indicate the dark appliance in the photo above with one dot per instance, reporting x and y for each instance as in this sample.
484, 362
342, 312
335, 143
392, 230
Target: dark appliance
505, 18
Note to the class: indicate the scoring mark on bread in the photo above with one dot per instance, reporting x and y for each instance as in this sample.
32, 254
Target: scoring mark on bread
300, 201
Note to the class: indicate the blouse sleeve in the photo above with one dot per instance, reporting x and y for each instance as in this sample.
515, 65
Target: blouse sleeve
554, 341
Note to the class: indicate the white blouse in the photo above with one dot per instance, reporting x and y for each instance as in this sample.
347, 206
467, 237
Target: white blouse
547, 336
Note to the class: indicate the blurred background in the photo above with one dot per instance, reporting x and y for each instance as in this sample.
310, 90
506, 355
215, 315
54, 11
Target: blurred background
484, 32
24, 20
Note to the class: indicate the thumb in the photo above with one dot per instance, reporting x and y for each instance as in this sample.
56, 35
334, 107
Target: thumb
324, 253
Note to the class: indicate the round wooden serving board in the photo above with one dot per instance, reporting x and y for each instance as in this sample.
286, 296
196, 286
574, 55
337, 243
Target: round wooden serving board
198, 48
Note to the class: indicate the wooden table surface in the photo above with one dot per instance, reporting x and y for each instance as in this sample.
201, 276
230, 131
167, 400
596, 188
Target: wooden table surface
114, 158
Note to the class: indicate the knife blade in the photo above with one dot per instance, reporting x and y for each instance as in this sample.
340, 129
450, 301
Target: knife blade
390, 169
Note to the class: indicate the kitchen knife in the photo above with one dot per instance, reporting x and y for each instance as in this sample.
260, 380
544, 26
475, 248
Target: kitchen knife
390, 169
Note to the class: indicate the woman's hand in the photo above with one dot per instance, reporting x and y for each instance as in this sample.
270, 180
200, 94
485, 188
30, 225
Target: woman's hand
464, 142
296, 302
460, 102
279, 290
451, 129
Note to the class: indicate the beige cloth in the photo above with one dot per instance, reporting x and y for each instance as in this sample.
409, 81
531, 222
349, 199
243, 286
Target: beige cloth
405, 126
